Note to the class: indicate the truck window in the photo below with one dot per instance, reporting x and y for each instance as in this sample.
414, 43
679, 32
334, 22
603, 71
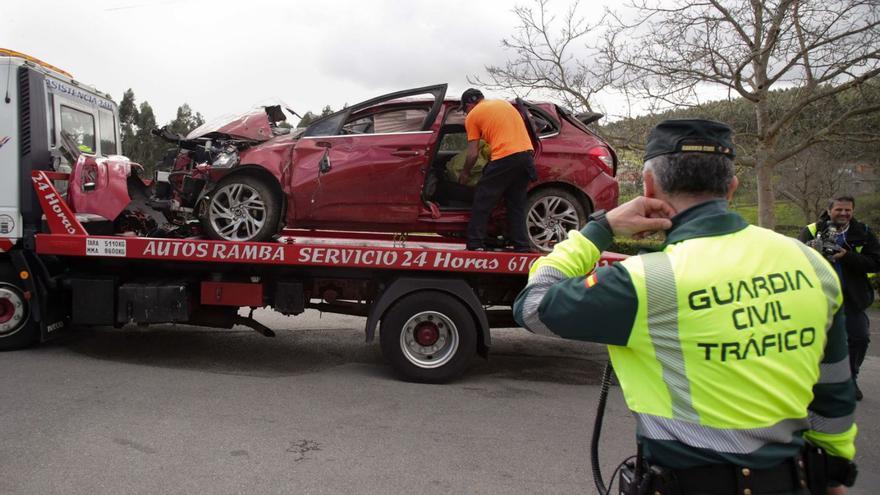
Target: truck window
81, 126
107, 124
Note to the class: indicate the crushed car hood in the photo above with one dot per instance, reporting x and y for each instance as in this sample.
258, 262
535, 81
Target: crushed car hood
255, 125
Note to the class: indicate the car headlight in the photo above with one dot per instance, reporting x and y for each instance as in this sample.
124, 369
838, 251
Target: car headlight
226, 160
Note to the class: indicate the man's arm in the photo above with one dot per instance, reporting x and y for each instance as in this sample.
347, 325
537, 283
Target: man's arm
832, 426
866, 261
561, 300
473, 152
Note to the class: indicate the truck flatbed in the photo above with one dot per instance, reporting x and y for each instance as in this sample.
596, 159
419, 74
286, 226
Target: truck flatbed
433, 300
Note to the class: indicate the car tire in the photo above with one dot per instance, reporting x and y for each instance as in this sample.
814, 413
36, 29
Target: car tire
551, 212
17, 326
428, 337
241, 208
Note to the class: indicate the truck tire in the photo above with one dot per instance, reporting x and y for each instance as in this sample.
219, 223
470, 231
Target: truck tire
428, 337
241, 208
17, 326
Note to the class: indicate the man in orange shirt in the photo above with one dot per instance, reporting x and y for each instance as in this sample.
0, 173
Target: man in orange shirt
508, 172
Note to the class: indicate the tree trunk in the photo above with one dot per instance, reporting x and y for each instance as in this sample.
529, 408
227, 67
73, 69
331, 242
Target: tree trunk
766, 210
763, 164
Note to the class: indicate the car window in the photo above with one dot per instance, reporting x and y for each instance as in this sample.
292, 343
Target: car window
397, 120
325, 127
421, 105
545, 125
81, 126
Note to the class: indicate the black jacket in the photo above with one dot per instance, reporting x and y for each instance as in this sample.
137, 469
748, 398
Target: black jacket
862, 258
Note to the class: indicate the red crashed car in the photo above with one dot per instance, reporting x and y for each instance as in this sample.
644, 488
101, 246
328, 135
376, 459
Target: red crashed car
374, 166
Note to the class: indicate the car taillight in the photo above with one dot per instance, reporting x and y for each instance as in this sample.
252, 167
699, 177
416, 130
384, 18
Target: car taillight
604, 157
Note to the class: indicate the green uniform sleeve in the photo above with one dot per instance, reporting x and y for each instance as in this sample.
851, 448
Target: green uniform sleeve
560, 299
832, 425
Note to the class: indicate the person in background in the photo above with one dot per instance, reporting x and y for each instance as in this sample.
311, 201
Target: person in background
853, 250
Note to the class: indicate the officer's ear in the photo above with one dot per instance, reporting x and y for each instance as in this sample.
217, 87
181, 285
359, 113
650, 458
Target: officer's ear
734, 183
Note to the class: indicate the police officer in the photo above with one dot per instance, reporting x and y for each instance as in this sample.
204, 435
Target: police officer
729, 343
508, 172
854, 252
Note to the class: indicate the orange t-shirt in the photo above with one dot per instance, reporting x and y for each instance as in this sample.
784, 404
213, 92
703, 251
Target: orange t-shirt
498, 123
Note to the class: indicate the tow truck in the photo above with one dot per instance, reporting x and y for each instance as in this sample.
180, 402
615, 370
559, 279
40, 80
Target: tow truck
433, 302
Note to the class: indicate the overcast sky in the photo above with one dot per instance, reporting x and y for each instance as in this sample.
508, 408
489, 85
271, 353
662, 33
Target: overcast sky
224, 56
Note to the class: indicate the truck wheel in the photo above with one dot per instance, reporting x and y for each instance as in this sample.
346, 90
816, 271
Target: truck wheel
552, 212
17, 328
241, 208
428, 337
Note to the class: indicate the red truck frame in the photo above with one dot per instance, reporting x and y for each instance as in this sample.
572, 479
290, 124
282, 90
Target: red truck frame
433, 301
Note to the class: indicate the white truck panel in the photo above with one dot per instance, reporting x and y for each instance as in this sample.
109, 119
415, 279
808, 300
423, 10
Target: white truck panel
10, 216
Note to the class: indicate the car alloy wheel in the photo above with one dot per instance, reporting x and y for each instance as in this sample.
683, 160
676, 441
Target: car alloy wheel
237, 212
550, 217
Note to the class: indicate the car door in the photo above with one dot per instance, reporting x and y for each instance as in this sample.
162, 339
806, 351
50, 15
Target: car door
367, 163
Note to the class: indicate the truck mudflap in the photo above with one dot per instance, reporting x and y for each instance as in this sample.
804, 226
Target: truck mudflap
50, 306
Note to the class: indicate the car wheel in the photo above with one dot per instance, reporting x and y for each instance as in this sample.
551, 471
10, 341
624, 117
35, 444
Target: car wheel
241, 208
17, 326
550, 214
428, 337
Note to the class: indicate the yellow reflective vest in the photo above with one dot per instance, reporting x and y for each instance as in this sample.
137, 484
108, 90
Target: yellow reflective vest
729, 344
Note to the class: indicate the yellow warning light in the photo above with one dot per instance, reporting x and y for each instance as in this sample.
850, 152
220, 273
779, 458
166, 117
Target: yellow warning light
24, 275
13, 53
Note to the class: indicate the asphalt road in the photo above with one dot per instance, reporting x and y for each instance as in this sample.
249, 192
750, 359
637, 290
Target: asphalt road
313, 411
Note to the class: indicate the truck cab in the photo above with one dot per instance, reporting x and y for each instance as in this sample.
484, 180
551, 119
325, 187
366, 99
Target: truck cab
39, 102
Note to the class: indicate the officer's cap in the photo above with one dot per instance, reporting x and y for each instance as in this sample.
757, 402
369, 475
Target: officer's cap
690, 135
470, 95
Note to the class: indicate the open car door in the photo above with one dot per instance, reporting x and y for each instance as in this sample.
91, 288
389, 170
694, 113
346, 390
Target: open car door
366, 163
530, 125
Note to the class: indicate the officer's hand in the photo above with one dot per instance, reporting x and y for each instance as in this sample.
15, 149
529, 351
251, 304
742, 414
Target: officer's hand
836, 490
640, 216
836, 256
463, 177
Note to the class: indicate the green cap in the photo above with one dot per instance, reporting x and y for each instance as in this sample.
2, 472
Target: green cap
690, 135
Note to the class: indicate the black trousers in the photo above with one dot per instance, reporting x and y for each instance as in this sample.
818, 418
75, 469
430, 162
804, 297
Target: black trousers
507, 177
858, 337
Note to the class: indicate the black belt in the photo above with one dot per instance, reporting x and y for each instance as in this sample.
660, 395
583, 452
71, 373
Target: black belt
724, 479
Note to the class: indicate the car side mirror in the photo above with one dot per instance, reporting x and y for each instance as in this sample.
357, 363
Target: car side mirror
324, 164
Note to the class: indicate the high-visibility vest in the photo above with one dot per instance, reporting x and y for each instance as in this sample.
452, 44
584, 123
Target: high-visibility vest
697, 331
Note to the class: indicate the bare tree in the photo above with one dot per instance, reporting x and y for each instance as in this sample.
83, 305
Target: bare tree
821, 48
554, 55
810, 181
